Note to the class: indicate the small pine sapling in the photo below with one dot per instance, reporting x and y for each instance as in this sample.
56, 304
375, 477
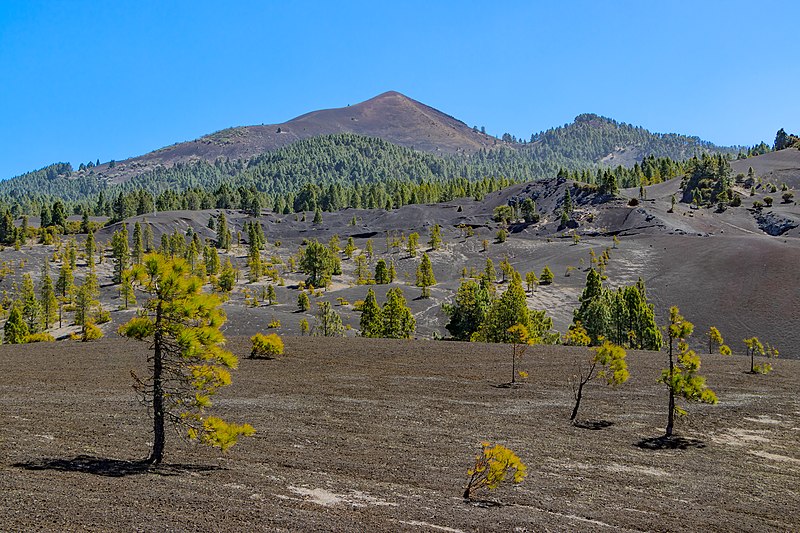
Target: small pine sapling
519, 338
681, 378
607, 363
266, 346
493, 465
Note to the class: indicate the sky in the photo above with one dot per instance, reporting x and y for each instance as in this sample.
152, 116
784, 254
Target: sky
81, 81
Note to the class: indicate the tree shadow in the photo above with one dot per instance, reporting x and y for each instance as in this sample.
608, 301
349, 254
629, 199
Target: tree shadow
593, 424
101, 466
508, 385
484, 504
669, 443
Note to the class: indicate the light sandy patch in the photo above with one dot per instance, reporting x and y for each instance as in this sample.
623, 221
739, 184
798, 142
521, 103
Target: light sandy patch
635, 469
420, 523
774, 457
327, 498
763, 419
740, 437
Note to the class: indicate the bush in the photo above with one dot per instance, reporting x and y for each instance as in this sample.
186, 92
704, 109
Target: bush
547, 276
267, 346
40, 337
274, 324
768, 201
633, 202
501, 235
492, 465
787, 197
90, 333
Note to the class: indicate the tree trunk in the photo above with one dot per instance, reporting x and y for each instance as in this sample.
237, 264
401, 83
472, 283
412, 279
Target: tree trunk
671, 415
577, 402
514, 365
752, 361
157, 454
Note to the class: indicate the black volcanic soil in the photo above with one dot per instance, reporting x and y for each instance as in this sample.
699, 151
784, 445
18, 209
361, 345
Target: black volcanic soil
370, 435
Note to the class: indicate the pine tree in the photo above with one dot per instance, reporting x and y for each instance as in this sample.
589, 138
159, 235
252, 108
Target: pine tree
329, 323
211, 260
413, 244
681, 378
350, 249
272, 297
607, 363
489, 272
91, 248
435, 241
303, 302
188, 363
224, 236
361, 272
547, 276
381, 273
318, 263
425, 277
47, 298
148, 239
138, 244
469, 310
398, 322
15, 331
31, 312
371, 322
120, 252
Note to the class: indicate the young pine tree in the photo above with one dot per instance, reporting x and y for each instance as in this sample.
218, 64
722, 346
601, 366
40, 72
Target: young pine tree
371, 322
681, 377
182, 325
425, 277
607, 363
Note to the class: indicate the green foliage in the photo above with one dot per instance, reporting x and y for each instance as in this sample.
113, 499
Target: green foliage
189, 364
303, 302
469, 310
607, 364
382, 273
31, 310
371, 322
755, 347
15, 331
398, 322
547, 276
501, 235
511, 309
435, 240
425, 276
227, 278
714, 339
40, 337
318, 262
120, 252
682, 378
328, 321
267, 346
493, 465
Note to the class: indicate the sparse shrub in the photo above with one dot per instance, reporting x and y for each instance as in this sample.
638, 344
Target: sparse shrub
274, 324
303, 302
304, 327
40, 337
267, 346
493, 465
547, 276
633, 202
768, 201
501, 235
787, 197
757, 205
89, 332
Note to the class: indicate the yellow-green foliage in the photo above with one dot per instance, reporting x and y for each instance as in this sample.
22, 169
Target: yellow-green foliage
274, 324
183, 324
40, 337
577, 335
611, 359
493, 465
220, 434
266, 345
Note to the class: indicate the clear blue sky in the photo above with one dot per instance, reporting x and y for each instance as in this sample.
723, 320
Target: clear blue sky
105, 80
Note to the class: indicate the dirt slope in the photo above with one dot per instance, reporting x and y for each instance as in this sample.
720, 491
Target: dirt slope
359, 434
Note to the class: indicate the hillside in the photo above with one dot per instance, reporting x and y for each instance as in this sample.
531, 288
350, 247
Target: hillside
390, 116
446, 144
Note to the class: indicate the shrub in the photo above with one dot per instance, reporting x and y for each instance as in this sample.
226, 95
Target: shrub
787, 197
633, 202
40, 337
90, 333
267, 346
274, 324
547, 276
768, 201
492, 465
501, 235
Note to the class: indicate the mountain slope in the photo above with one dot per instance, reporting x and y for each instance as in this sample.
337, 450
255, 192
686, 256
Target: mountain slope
390, 116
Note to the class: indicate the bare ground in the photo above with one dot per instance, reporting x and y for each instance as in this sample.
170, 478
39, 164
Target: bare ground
357, 434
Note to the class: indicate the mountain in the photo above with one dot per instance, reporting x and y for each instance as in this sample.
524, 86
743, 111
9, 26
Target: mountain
352, 145
390, 116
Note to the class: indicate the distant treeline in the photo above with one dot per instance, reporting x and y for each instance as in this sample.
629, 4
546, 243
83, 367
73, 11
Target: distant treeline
347, 170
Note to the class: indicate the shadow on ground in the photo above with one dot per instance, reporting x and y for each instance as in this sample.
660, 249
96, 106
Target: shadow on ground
669, 443
100, 466
593, 424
